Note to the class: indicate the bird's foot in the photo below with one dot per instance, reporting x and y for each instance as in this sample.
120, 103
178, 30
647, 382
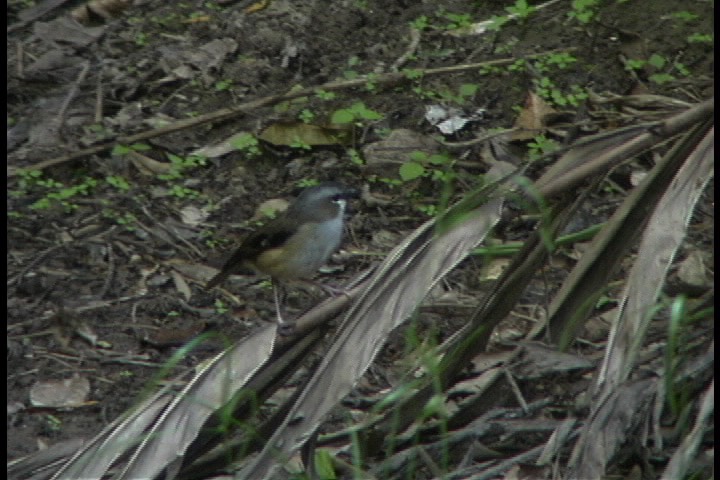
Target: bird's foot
286, 329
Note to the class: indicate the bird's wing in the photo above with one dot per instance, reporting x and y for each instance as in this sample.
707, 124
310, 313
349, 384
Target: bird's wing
272, 235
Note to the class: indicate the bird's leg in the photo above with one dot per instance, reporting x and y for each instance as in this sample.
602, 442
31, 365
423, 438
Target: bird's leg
280, 295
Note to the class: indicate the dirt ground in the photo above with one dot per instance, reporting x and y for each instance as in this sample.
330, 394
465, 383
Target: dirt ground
105, 280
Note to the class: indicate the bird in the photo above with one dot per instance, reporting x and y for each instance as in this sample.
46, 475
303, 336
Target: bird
294, 245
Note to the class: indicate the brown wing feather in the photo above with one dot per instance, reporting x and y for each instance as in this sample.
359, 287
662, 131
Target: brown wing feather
272, 235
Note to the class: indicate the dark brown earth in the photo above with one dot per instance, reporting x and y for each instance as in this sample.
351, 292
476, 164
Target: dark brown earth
106, 284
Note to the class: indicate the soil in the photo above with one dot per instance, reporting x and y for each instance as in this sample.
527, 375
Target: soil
106, 284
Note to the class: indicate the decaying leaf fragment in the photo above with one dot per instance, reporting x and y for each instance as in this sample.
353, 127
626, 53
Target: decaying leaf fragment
105, 9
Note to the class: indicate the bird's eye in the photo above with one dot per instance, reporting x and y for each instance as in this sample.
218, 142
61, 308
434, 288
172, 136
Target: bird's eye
339, 200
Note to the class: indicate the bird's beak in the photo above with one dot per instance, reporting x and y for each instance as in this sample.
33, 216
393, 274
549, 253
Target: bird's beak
350, 194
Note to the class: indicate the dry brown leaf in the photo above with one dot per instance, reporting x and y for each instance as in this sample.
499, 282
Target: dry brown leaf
531, 120
257, 6
292, 133
105, 9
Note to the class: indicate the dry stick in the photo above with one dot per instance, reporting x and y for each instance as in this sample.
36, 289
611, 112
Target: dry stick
99, 98
110, 271
226, 113
409, 51
482, 139
20, 60
71, 94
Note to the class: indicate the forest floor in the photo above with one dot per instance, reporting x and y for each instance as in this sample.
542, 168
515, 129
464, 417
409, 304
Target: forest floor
108, 250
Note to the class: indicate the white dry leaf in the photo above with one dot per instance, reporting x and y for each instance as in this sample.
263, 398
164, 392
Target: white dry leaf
450, 119
493, 269
181, 285
71, 392
193, 216
636, 177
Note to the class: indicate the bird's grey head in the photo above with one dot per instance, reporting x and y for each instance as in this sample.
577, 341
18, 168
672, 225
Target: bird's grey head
322, 197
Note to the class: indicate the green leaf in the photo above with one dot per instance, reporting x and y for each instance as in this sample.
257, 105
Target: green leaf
700, 38
246, 140
438, 159
657, 61
350, 74
342, 116
411, 171
324, 465
324, 95
360, 110
684, 15
661, 78
368, 114
119, 150
635, 64
468, 89
418, 156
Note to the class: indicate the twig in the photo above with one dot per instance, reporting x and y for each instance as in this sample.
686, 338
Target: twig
60, 119
476, 140
20, 61
516, 390
110, 272
98, 99
412, 47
